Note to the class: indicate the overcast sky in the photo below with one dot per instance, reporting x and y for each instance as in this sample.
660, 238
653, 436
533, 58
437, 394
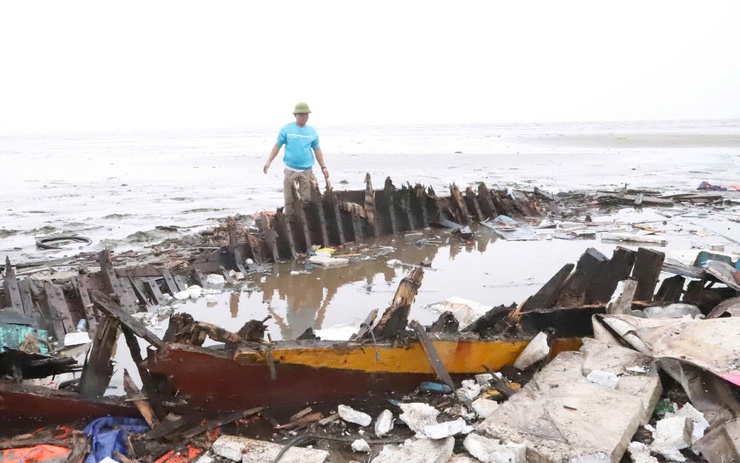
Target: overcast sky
81, 66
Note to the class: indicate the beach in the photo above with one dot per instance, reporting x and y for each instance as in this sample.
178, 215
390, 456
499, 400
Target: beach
128, 191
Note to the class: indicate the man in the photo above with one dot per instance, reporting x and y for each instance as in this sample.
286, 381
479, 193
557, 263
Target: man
301, 150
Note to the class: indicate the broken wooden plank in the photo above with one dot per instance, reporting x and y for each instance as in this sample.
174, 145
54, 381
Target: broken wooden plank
170, 282
589, 268
373, 226
419, 206
112, 285
82, 285
28, 306
284, 237
646, 271
98, 370
485, 202
548, 294
403, 203
335, 226
111, 309
139, 290
264, 223
618, 269
471, 201
671, 289
316, 219
58, 305
677, 268
431, 352
725, 273
235, 253
10, 285
459, 209
133, 394
150, 388
152, 287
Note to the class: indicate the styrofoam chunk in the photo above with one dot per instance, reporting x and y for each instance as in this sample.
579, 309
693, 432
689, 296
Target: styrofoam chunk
384, 423
351, 415
446, 429
247, 450
536, 350
640, 453
361, 445
484, 407
418, 415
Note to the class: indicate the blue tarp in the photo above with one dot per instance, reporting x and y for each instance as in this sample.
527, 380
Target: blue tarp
108, 435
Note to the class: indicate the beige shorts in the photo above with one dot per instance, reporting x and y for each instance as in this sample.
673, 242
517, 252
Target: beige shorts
304, 179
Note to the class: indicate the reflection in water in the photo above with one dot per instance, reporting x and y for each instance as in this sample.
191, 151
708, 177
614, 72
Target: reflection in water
234, 304
307, 295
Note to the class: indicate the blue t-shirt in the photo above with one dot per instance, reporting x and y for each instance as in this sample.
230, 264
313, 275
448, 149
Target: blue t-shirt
299, 142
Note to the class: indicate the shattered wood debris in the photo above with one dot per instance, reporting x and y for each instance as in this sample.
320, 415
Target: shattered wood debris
570, 397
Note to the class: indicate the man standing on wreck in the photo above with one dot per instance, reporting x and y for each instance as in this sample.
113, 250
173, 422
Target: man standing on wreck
301, 150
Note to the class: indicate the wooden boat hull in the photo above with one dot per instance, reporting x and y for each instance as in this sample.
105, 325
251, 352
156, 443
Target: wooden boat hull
23, 405
320, 371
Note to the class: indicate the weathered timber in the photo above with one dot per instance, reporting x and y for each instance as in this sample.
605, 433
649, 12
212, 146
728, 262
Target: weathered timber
335, 225
12, 292
436, 363
548, 294
315, 216
706, 298
264, 222
57, 304
373, 226
235, 255
112, 285
434, 206
485, 202
395, 317
618, 269
27, 300
386, 211
590, 266
140, 292
134, 394
471, 201
671, 289
419, 205
152, 287
725, 273
459, 210
284, 238
403, 202
646, 271
52, 317
99, 369
113, 310
82, 287
147, 382
677, 268
170, 282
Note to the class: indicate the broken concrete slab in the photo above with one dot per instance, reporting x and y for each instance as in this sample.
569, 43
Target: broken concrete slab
711, 345
247, 450
560, 415
493, 451
722, 444
417, 451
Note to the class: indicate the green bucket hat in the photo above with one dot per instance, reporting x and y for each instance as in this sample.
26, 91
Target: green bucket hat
301, 108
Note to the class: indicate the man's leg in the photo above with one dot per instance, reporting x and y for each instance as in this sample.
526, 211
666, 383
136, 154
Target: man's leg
305, 179
288, 181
